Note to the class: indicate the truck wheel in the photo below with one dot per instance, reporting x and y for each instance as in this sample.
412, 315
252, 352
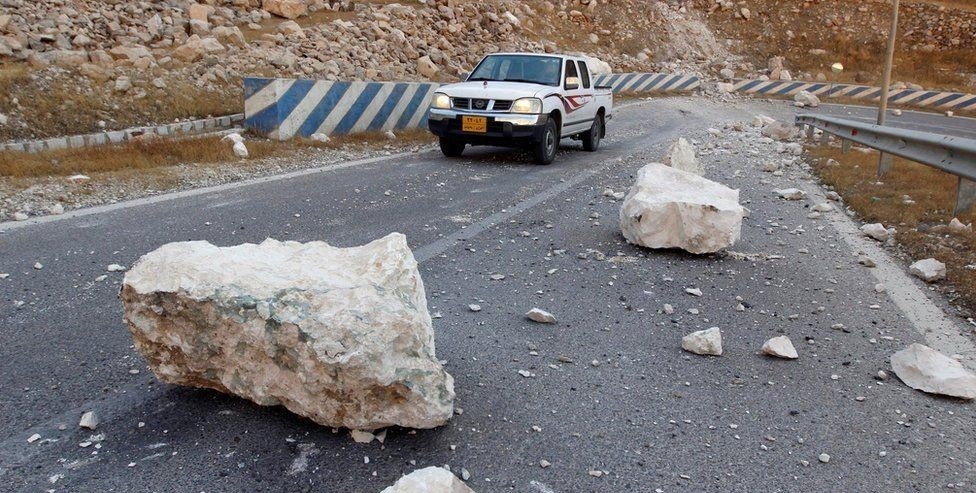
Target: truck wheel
591, 139
451, 147
545, 149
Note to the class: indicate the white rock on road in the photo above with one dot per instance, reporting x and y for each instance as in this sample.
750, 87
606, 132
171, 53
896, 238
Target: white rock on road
89, 420
541, 316
781, 347
875, 231
670, 208
790, 193
339, 335
928, 270
807, 98
429, 480
928, 370
681, 156
704, 342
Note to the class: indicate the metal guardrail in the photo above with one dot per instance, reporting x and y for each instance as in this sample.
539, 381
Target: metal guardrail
954, 155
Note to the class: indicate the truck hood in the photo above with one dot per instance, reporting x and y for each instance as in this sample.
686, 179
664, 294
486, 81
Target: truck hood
496, 90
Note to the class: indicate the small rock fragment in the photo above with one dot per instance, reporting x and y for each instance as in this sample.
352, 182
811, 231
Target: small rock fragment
88, 420
704, 342
928, 270
875, 231
825, 458
541, 316
781, 347
790, 193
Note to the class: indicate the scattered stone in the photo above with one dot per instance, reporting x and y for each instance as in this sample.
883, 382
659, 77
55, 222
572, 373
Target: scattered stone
670, 208
115, 268
928, 270
89, 420
825, 458
320, 137
866, 261
957, 227
781, 347
474, 308
681, 156
33, 438
790, 193
38, 265
289, 9
429, 480
923, 368
541, 316
360, 436
20, 216
238, 320
875, 231
704, 342
694, 291
779, 130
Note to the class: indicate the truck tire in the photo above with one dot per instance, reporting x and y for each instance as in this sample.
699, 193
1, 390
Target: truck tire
451, 147
591, 139
545, 150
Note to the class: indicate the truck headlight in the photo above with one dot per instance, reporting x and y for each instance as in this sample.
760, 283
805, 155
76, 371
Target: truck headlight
441, 101
527, 105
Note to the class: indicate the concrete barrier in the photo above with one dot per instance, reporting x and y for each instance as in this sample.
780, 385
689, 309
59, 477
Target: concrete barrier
825, 91
649, 82
122, 136
285, 108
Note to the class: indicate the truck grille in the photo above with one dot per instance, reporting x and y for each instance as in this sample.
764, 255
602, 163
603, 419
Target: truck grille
480, 104
502, 105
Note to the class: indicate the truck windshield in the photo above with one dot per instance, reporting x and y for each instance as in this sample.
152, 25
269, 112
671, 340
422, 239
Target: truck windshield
536, 69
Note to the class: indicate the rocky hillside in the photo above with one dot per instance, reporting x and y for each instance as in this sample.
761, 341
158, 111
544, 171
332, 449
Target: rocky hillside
70, 66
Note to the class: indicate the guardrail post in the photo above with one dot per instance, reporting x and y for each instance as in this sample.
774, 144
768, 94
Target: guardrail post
885, 163
809, 131
845, 146
824, 138
965, 195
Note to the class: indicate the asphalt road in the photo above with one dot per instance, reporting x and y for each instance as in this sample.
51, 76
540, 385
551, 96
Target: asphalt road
632, 404
921, 121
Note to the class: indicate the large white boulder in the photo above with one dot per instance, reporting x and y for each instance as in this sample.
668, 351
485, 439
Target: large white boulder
670, 208
339, 335
928, 370
928, 270
706, 342
681, 156
780, 347
429, 480
597, 66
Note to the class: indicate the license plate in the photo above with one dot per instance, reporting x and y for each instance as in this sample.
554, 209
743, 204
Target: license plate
477, 124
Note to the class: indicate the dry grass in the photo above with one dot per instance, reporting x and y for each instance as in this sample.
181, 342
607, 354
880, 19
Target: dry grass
159, 153
921, 226
63, 106
135, 156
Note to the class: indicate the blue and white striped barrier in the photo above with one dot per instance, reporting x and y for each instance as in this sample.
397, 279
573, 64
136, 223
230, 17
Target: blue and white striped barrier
826, 90
285, 108
646, 82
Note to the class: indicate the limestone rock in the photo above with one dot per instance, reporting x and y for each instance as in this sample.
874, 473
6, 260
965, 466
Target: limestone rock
681, 156
339, 335
928, 370
670, 208
875, 231
807, 98
541, 316
779, 130
426, 67
89, 420
705, 342
781, 347
790, 193
289, 9
957, 227
928, 270
429, 480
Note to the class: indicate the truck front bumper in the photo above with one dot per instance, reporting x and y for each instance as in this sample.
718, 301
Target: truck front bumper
503, 129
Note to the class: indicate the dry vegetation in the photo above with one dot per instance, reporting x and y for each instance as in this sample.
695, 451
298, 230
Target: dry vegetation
922, 231
160, 153
66, 105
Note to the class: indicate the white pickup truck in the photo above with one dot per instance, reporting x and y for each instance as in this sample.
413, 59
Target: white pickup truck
522, 100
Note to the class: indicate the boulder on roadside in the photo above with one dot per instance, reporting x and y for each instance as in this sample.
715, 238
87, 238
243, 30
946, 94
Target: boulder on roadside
807, 98
705, 342
341, 336
957, 227
681, 156
429, 480
875, 231
790, 193
923, 368
670, 208
928, 270
541, 316
780, 347
779, 130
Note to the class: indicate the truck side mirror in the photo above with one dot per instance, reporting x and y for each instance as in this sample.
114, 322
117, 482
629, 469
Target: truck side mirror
572, 83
